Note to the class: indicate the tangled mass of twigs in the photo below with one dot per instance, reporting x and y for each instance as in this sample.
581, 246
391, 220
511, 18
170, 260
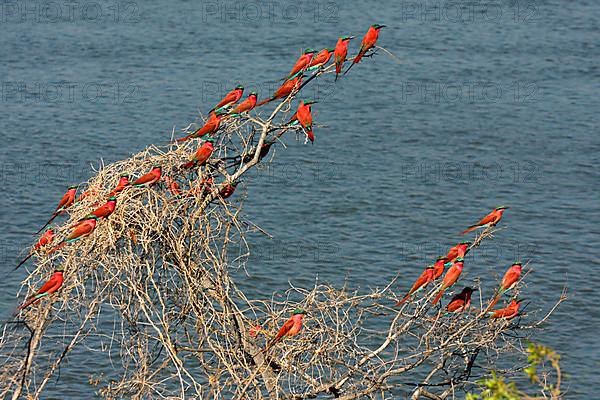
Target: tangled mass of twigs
148, 291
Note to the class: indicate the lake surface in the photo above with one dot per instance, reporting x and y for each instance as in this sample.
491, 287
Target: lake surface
489, 103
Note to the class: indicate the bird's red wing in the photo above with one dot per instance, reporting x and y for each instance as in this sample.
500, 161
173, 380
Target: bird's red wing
455, 304
48, 284
202, 155
145, 179
81, 230
63, 201
285, 329
229, 97
487, 219
510, 278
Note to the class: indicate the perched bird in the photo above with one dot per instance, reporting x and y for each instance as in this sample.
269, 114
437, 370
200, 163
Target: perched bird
340, 53
227, 190
172, 185
212, 124
148, 179
489, 220
284, 90
246, 105
450, 278
44, 240
421, 283
230, 98
52, 285
79, 231
509, 281
368, 42
304, 116
105, 209
65, 202
320, 60
292, 327
123, 183
202, 154
459, 250
461, 301
302, 63
438, 267
508, 312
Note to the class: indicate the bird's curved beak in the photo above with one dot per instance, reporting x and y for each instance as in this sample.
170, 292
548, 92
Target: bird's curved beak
382, 26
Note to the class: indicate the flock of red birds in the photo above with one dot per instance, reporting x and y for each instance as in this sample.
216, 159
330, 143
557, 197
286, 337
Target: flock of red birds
228, 107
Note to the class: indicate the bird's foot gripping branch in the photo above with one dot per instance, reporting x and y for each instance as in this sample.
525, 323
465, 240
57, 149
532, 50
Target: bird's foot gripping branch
139, 275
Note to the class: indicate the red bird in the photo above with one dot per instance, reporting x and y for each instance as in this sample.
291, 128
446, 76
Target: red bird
438, 267
79, 231
508, 312
304, 116
509, 281
44, 240
123, 183
65, 202
302, 63
105, 209
450, 278
489, 220
340, 53
292, 327
227, 190
461, 301
149, 179
230, 98
211, 126
320, 60
202, 154
460, 250
172, 185
368, 42
421, 283
246, 105
284, 90
52, 285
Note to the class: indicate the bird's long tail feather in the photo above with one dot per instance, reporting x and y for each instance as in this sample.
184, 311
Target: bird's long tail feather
438, 297
31, 300
49, 221
23, 261
470, 229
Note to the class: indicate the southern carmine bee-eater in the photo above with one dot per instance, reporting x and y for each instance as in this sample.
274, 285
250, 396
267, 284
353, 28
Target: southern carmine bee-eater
320, 60
461, 301
105, 209
368, 42
302, 63
245, 106
509, 281
292, 327
284, 90
304, 117
212, 124
65, 202
52, 285
121, 185
79, 231
508, 312
227, 190
44, 240
340, 53
202, 154
489, 220
230, 99
421, 283
459, 250
450, 278
148, 179
438, 267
